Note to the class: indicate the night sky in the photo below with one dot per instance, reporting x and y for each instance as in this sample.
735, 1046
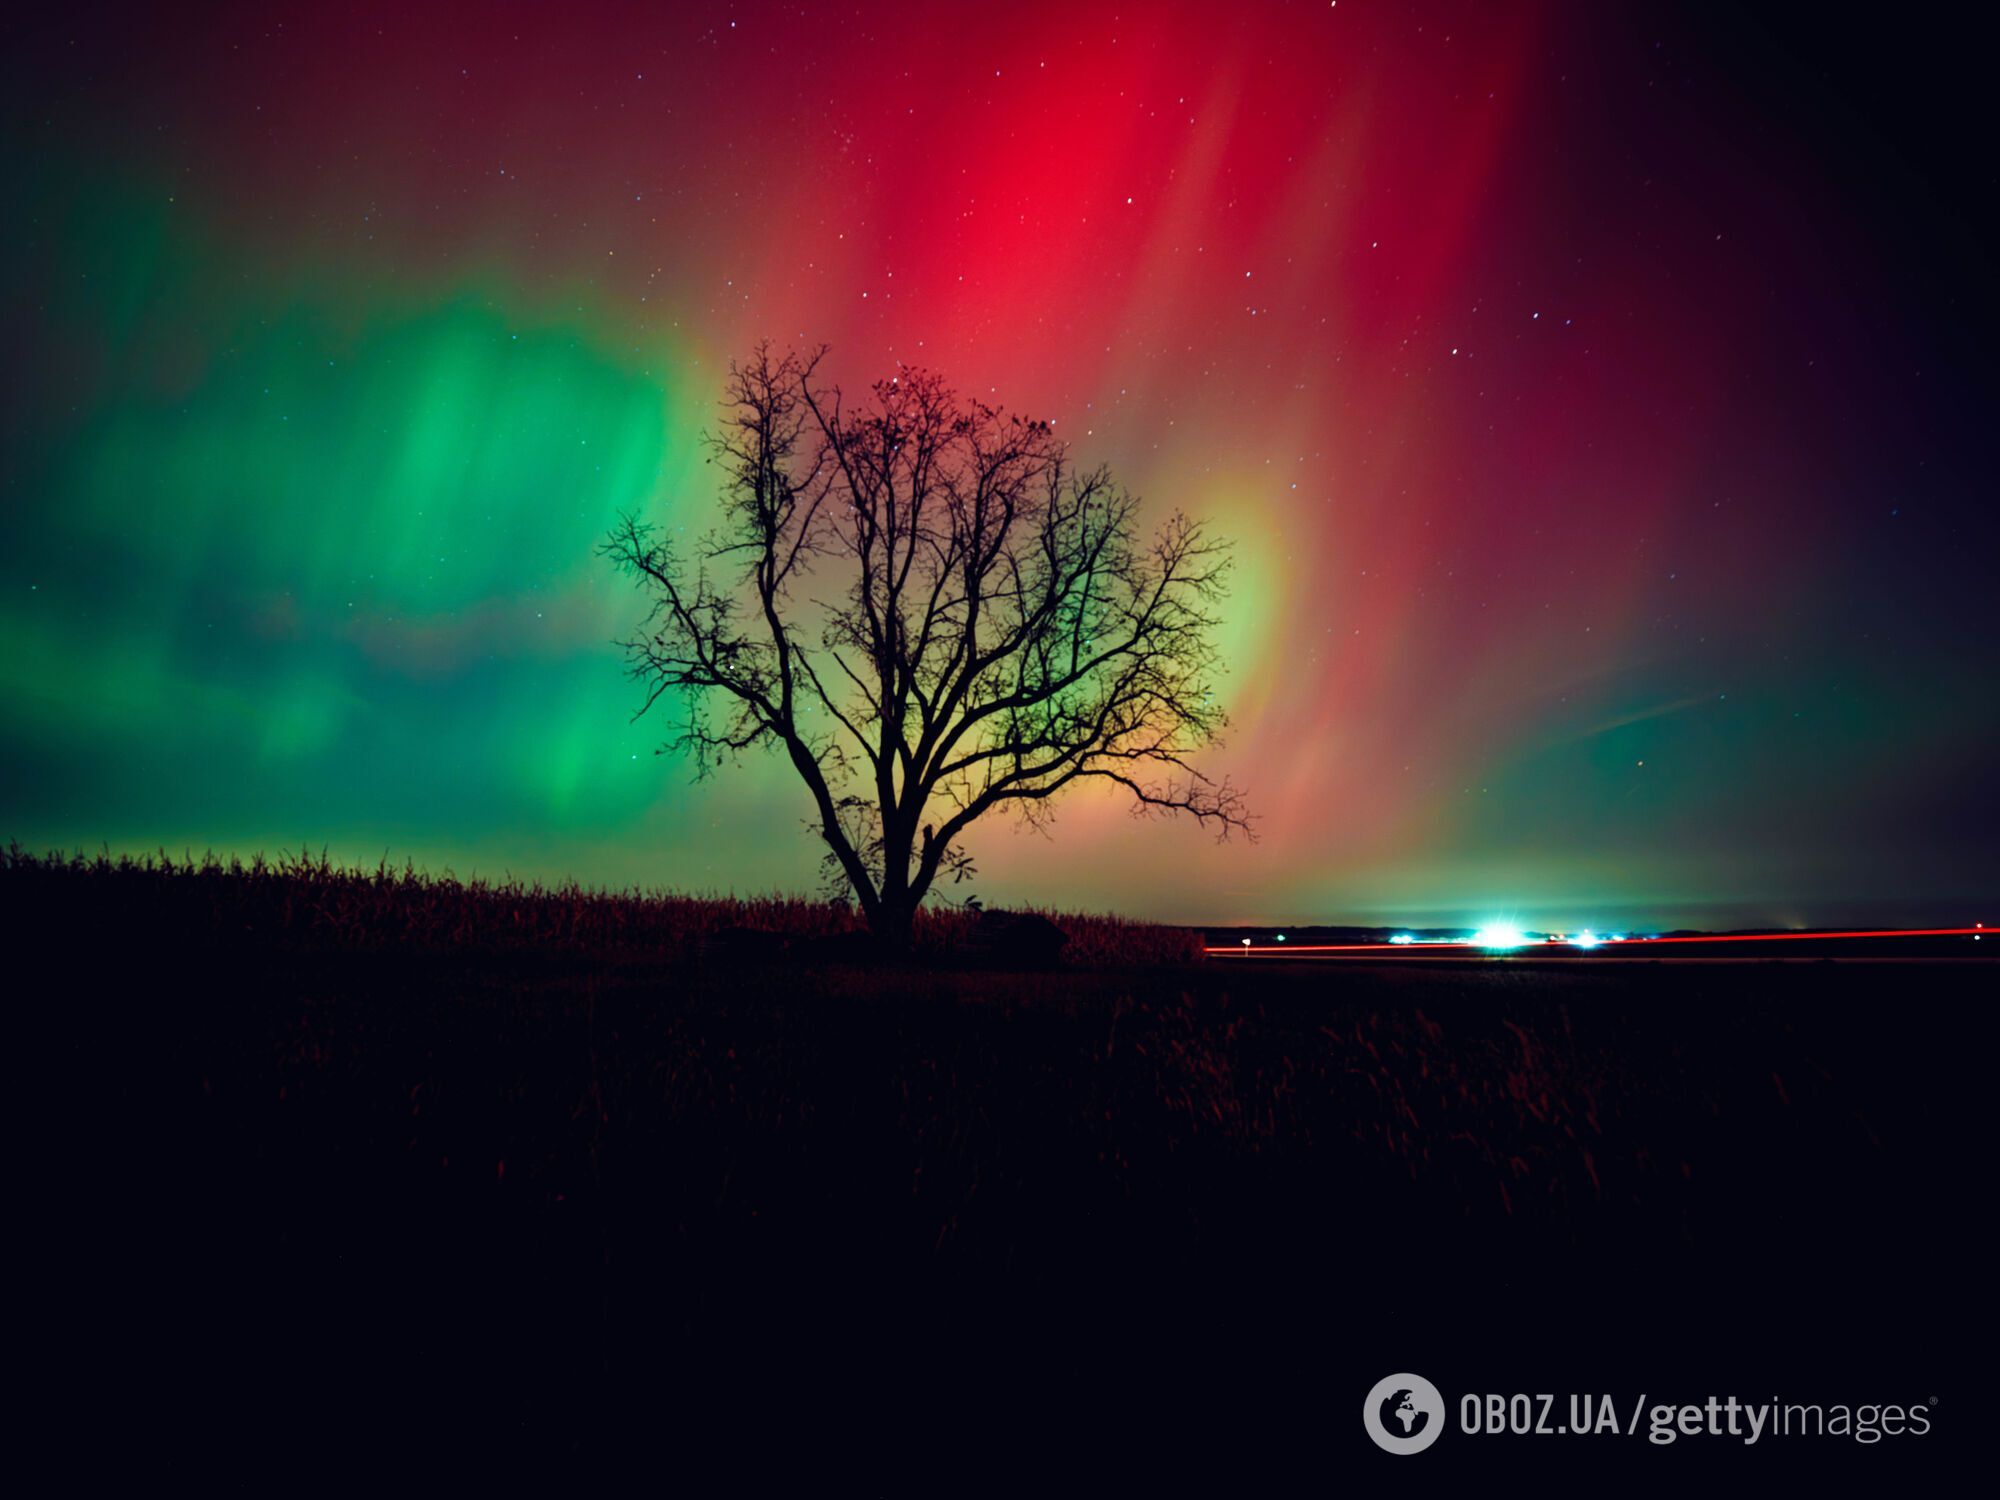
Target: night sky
1598, 396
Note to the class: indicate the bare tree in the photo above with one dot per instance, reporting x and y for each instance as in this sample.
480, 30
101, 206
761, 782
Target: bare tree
934, 614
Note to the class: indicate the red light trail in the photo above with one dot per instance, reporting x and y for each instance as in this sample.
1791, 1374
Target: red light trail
1270, 950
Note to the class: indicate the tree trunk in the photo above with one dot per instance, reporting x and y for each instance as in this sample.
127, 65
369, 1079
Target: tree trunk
893, 922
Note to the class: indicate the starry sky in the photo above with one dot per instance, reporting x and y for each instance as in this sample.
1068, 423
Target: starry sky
1598, 398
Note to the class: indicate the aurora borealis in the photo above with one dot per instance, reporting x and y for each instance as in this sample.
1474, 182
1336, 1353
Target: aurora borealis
1596, 395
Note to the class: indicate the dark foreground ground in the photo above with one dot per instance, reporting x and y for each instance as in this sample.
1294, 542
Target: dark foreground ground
420, 1210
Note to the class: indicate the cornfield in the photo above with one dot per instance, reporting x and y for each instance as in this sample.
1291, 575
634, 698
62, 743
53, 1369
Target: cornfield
309, 898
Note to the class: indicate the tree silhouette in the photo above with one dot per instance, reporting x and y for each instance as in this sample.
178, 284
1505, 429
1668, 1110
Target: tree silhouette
934, 614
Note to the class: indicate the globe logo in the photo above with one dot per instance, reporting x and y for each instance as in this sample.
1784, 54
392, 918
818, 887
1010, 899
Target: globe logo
1403, 1413
1401, 1407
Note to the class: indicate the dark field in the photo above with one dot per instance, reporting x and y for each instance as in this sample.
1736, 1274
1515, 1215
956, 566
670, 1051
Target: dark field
340, 1171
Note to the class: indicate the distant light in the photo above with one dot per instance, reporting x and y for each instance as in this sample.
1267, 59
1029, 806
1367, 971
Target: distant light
1616, 937
1585, 939
1246, 942
1500, 935
1402, 937
1281, 937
